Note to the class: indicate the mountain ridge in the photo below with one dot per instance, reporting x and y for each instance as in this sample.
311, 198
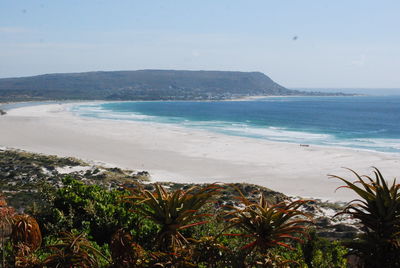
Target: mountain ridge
148, 84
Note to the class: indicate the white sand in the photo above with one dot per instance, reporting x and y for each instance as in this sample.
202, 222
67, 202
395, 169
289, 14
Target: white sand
172, 153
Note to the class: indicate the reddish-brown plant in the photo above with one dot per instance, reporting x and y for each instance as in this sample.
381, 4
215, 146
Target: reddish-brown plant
173, 211
25, 230
268, 225
73, 251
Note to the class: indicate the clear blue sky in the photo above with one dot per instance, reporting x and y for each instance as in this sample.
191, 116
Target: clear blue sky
340, 43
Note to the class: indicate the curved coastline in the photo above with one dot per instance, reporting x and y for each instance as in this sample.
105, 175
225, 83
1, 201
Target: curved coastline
173, 153
277, 127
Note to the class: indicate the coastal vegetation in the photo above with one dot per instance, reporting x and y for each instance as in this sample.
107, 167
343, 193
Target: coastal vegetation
378, 211
120, 219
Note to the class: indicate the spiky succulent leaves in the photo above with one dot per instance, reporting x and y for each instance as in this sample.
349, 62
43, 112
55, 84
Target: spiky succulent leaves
269, 225
73, 251
378, 210
24, 258
173, 211
26, 230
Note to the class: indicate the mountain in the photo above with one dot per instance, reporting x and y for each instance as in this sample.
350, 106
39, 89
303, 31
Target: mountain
141, 85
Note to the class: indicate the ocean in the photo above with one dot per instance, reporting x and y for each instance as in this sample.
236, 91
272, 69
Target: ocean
363, 122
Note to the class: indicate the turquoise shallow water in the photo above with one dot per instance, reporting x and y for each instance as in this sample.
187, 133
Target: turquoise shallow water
359, 122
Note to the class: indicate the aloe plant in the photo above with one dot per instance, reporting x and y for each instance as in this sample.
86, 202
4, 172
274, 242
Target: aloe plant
73, 251
378, 210
25, 259
172, 211
268, 225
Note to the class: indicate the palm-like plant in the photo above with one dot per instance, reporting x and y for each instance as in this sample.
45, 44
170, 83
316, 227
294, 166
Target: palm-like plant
268, 225
173, 211
73, 251
379, 212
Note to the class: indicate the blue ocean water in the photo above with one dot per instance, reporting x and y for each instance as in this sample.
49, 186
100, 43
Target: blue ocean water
365, 122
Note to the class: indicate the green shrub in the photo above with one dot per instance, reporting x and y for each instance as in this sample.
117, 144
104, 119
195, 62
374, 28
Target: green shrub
94, 210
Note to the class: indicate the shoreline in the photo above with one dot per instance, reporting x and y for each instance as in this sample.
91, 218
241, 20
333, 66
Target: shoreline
288, 141
173, 153
244, 98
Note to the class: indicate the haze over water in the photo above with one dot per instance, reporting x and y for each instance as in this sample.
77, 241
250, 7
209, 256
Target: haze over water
364, 122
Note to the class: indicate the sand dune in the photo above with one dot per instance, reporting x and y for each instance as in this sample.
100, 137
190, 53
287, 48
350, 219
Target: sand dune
172, 153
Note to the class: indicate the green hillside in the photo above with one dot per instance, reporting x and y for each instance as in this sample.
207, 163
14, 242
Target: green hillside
141, 85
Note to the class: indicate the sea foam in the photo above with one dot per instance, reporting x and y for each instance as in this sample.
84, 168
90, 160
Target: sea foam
341, 122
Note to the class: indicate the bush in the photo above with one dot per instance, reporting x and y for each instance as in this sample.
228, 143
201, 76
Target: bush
92, 209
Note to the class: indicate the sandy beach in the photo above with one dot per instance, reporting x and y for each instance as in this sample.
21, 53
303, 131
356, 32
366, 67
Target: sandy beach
173, 153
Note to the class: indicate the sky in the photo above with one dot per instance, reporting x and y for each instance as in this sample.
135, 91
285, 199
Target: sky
298, 43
